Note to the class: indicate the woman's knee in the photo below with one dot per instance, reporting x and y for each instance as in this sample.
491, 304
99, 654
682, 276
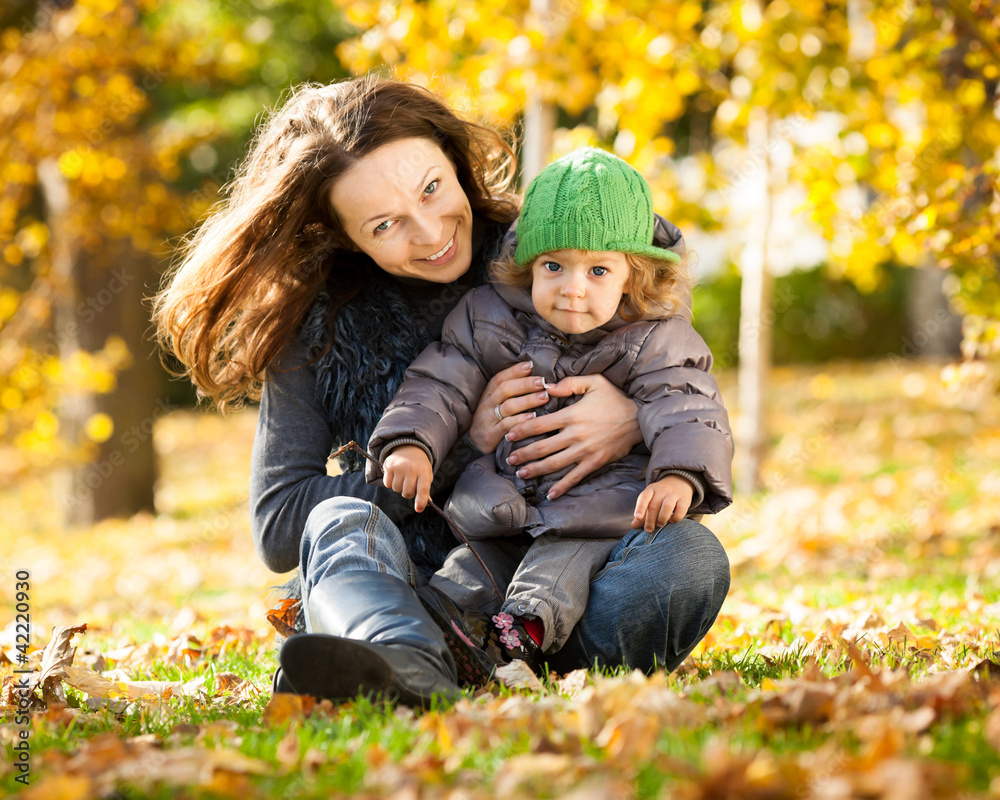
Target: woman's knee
334, 518
700, 552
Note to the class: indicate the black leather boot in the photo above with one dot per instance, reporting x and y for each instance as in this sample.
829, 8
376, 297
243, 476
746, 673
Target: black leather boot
370, 636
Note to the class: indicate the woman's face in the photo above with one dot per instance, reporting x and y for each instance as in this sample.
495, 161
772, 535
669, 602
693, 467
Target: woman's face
403, 205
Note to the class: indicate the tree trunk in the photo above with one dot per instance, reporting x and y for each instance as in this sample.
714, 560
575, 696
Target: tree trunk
99, 296
539, 121
934, 329
117, 281
756, 319
539, 116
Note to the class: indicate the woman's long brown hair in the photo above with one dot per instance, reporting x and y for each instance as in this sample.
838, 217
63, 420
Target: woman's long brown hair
250, 273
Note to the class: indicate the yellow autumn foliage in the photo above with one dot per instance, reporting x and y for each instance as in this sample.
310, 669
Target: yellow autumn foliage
77, 86
909, 174
911, 86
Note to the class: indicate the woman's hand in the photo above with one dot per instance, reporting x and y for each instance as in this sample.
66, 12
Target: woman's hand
515, 392
599, 428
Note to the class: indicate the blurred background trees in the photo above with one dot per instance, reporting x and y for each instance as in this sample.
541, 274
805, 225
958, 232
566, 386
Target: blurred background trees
121, 121
835, 151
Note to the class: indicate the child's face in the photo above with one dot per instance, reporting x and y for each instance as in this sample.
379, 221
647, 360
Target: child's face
577, 290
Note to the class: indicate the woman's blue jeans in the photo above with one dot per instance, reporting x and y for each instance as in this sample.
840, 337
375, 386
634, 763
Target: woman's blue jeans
649, 606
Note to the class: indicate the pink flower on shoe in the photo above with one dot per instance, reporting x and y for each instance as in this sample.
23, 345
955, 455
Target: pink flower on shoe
511, 639
503, 621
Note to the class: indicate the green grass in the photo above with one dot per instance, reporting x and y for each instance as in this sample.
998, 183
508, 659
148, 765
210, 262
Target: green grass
859, 532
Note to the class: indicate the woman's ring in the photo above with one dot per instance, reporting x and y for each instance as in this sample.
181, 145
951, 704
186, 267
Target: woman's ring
496, 412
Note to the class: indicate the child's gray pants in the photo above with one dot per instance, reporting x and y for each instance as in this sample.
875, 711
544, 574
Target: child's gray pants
551, 579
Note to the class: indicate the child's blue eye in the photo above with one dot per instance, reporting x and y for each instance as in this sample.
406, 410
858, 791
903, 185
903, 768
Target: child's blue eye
599, 271
431, 187
551, 266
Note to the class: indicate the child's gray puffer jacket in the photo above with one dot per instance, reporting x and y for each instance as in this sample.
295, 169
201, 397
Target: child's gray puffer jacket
662, 364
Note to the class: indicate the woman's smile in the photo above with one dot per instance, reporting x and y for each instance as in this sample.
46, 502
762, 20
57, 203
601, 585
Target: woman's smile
440, 253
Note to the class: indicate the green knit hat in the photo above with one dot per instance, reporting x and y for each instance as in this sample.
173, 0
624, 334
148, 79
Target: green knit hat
588, 200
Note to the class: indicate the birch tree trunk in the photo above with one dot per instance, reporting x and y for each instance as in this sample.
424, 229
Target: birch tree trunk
539, 116
756, 317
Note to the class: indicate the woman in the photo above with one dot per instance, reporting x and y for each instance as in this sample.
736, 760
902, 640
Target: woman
362, 214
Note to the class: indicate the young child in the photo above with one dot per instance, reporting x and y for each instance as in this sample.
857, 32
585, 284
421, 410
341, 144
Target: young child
585, 292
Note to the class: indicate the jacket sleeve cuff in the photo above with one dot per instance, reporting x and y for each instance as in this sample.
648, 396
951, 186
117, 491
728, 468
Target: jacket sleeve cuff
691, 477
389, 447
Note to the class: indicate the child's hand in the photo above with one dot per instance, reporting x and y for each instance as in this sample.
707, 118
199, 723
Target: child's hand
408, 471
667, 500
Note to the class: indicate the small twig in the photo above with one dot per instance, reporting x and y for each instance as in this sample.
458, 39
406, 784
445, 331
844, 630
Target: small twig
352, 445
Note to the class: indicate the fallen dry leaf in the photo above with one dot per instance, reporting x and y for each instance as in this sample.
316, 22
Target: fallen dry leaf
224, 681
518, 675
282, 617
185, 649
223, 783
60, 787
722, 683
630, 736
818, 647
57, 655
114, 687
857, 657
284, 707
902, 635
800, 703
184, 619
573, 683
535, 773
600, 789
106, 762
221, 730
919, 720
287, 751
987, 670
93, 683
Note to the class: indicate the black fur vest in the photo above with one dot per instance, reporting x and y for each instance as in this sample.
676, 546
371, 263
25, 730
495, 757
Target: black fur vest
376, 335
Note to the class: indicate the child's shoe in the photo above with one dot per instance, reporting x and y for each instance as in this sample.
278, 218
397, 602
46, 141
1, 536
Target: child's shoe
512, 639
479, 642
